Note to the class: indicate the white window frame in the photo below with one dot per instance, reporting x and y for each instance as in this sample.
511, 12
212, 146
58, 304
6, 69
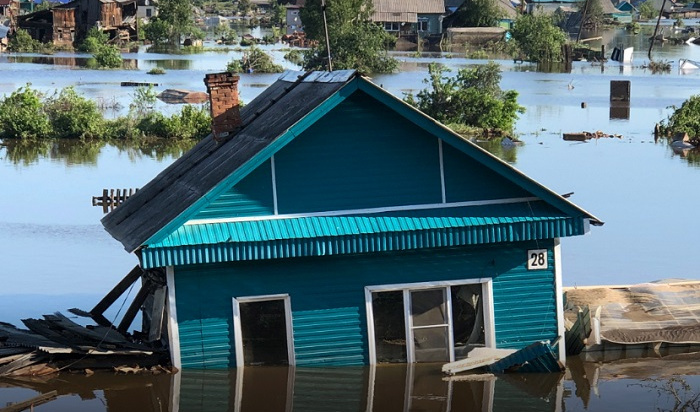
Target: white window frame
406, 288
423, 21
238, 334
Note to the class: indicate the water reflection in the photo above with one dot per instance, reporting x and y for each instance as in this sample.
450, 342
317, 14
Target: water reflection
171, 64
86, 152
71, 61
586, 385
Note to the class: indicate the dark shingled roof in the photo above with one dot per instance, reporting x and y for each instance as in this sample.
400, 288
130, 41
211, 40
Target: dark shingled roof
198, 171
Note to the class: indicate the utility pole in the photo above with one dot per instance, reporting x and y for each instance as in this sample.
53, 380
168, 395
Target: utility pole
328, 42
656, 29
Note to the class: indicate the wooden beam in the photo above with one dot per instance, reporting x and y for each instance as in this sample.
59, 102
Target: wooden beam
114, 294
130, 314
157, 312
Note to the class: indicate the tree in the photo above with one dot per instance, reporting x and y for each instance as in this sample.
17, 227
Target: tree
684, 119
178, 16
647, 10
73, 116
539, 38
471, 98
355, 41
478, 13
157, 31
593, 13
254, 60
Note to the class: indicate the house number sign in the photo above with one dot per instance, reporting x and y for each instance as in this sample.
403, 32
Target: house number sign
536, 259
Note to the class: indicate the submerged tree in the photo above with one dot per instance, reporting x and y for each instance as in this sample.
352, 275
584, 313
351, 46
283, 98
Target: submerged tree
684, 119
471, 98
355, 41
539, 38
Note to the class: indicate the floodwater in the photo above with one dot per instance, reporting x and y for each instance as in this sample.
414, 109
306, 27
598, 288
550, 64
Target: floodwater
55, 254
642, 385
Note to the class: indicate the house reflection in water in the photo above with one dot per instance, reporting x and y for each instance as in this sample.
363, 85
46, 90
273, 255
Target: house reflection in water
398, 387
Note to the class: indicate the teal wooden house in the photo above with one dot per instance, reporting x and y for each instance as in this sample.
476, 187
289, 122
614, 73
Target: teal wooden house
329, 223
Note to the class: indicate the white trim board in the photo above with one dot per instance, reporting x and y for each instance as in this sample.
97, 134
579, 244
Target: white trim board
238, 338
366, 211
173, 328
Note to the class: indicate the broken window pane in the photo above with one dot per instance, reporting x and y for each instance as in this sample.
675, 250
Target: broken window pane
467, 318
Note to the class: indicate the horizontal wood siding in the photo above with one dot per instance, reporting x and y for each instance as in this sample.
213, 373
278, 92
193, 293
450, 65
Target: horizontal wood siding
469, 181
327, 299
375, 159
252, 196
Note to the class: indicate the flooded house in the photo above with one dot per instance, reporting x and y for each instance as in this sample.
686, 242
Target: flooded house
63, 24
409, 18
327, 222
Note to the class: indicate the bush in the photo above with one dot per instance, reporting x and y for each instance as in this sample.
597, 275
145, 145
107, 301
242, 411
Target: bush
472, 98
156, 70
94, 39
73, 116
254, 60
108, 57
22, 115
684, 119
22, 42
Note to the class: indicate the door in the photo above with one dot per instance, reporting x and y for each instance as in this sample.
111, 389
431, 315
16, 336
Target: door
263, 330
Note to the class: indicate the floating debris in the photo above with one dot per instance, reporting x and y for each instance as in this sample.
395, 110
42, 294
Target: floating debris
583, 136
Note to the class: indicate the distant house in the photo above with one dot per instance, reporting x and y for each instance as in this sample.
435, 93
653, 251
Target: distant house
65, 23
293, 20
5, 7
688, 11
328, 222
409, 17
145, 9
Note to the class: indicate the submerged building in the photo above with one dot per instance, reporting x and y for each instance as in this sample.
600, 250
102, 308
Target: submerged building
328, 222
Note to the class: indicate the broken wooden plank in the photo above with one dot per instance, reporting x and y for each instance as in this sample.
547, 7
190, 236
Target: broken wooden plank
157, 314
30, 403
113, 294
21, 362
476, 358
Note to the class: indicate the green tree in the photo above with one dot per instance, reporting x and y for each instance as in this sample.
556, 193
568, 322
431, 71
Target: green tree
157, 31
647, 10
44, 5
278, 14
178, 16
94, 39
478, 13
22, 115
539, 38
355, 41
73, 116
471, 98
244, 6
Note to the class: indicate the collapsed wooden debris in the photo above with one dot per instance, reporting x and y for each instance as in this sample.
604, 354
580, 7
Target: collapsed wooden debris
57, 343
30, 403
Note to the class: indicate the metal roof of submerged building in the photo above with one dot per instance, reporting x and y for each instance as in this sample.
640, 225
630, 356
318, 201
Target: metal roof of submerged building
155, 219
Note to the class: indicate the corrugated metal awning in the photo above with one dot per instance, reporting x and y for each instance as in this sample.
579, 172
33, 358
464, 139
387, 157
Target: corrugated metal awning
399, 17
333, 235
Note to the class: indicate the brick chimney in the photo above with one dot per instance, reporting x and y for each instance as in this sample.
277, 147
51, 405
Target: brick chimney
223, 99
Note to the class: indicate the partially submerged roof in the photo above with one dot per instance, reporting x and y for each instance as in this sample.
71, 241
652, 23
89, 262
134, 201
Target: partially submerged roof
157, 215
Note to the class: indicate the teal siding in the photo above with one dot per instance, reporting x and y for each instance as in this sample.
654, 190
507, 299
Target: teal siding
252, 196
328, 302
467, 180
331, 166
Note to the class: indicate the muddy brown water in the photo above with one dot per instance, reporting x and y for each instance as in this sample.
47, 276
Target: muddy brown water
641, 385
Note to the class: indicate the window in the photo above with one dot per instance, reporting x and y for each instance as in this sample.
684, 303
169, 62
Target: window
422, 24
392, 26
149, 12
429, 322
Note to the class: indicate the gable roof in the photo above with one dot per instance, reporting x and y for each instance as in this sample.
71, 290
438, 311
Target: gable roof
283, 111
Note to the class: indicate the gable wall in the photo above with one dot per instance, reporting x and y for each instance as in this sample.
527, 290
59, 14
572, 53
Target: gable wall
360, 155
327, 299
